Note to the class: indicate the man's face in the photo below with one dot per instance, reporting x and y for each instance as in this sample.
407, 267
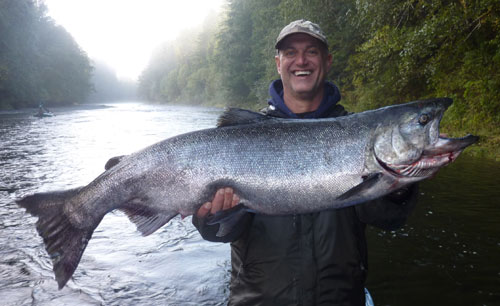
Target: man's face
302, 63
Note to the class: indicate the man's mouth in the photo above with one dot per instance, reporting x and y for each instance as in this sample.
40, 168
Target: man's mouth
302, 73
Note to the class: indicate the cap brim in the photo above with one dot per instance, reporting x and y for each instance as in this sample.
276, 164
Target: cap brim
321, 39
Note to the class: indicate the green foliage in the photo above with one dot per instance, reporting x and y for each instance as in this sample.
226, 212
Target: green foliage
184, 70
39, 61
64, 70
384, 52
419, 49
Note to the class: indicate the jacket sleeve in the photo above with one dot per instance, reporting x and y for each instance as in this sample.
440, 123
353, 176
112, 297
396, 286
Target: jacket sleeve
389, 212
208, 232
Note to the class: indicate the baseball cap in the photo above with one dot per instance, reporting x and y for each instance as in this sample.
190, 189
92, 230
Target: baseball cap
301, 26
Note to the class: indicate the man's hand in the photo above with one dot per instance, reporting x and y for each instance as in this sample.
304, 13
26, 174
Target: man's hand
224, 198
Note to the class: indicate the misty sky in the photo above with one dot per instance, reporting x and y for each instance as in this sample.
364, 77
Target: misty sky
123, 33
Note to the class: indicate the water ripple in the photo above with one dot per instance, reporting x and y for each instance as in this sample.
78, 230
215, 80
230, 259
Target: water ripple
119, 267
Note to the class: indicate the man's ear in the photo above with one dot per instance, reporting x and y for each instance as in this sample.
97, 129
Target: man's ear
278, 63
329, 61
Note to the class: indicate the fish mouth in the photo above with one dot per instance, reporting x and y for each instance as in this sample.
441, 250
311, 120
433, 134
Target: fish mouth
443, 152
446, 145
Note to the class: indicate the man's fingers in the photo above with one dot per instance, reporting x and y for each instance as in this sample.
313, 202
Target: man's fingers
204, 210
224, 199
236, 200
228, 198
218, 201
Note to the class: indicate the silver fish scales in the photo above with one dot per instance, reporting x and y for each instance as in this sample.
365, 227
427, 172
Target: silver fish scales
276, 166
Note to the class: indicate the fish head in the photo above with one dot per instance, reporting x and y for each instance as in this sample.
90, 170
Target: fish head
409, 144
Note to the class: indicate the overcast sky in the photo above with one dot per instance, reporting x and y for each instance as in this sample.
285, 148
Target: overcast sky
123, 33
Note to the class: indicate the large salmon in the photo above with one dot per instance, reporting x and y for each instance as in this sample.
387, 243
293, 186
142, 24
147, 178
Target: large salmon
276, 167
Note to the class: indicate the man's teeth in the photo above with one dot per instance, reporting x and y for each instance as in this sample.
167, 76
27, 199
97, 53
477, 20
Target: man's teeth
301, 73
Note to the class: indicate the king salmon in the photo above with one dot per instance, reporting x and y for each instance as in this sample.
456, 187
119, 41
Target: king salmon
276, 166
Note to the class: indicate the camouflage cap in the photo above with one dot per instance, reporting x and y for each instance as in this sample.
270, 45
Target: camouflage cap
301, 26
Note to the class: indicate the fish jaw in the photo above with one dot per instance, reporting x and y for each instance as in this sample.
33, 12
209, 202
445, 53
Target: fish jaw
403, 136
443, 152
445, 145
413, 148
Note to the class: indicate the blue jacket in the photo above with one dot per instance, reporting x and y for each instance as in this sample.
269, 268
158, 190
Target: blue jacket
330, 99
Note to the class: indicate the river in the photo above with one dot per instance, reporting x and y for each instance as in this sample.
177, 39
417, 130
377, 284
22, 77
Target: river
447, 254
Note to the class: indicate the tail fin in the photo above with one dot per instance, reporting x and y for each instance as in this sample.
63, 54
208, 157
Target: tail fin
64, 242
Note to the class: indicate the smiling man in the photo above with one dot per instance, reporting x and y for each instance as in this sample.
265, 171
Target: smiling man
302, 63
310, 259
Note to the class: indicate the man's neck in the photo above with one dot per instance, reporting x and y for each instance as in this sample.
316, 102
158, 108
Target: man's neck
300, 105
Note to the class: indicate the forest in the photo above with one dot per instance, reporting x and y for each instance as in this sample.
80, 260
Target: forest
40, 62
384, 52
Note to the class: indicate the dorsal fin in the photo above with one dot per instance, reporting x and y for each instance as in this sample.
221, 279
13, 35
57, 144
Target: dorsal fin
113, 161
238, 116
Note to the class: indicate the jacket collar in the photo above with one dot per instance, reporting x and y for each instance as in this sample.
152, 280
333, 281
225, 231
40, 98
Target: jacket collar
330, 99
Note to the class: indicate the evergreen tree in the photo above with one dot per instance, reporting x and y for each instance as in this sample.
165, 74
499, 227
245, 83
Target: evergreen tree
39, 61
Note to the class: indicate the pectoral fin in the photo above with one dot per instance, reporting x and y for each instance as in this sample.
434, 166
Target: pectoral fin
147, 219
227, 219
364, 186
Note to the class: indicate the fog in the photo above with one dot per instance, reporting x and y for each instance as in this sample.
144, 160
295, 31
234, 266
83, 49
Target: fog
124, 33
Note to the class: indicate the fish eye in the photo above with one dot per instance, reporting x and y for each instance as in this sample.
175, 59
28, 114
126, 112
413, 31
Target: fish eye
424, 119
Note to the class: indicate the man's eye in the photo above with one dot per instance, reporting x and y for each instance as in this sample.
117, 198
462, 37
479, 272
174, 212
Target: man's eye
313, 52
289, 53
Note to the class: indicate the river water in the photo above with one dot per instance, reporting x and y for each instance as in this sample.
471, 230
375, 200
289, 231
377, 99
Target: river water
447, 254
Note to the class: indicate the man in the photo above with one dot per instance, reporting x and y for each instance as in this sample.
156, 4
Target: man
309, 259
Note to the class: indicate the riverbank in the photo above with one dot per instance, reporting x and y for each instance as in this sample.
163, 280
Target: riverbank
487, 147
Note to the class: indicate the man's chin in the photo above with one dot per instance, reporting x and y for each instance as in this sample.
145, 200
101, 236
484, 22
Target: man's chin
305, 96
305, 92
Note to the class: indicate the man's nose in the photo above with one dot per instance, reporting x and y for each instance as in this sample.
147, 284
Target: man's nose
301, 59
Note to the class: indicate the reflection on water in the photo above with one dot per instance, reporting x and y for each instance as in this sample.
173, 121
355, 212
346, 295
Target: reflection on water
119, 266
447, 254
